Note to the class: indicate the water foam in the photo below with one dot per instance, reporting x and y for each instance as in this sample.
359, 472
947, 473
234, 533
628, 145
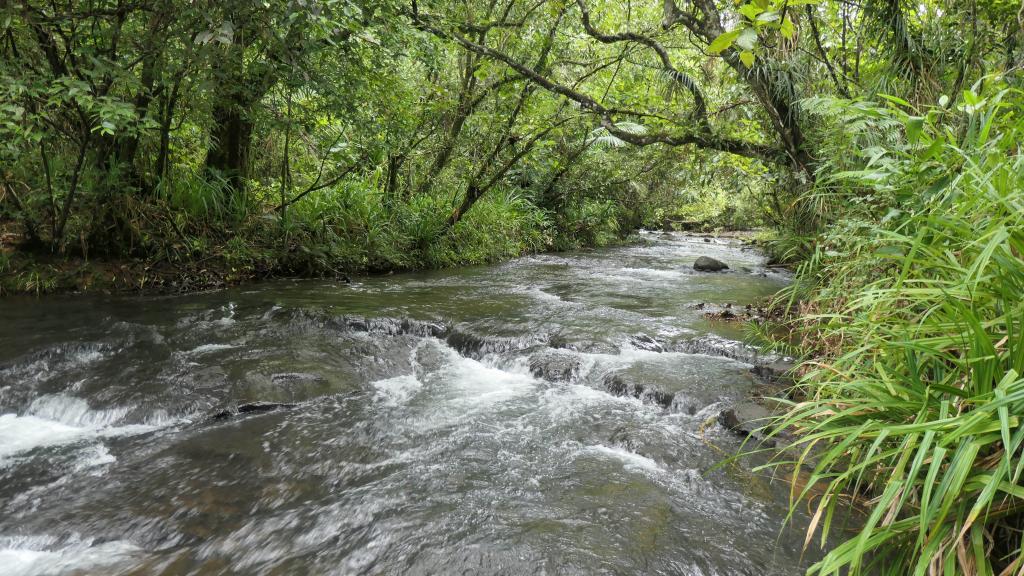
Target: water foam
57, 420
203, 349
630, 460
23, 433
38, 555
398, 390
479, 384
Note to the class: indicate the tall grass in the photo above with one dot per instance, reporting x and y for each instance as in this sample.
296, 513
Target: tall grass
912, 397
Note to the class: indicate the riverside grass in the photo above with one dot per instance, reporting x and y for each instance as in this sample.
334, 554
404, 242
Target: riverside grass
912, 313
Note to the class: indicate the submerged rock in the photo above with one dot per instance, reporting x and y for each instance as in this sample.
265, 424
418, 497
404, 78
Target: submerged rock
645, 342
620, 385
709, 264
777, 372
474, 345
714, 345
251, 408
555, 366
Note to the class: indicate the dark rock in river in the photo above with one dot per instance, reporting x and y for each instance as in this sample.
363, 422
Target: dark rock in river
620, 385
393, 326
713, 345
746, 418
474, 345
645, 342
708, 264
555, 366
754, 421
778, 371
251, 408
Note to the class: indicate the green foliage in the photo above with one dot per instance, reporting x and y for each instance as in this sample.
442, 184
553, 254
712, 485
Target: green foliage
500, 227
914, 321
234, 139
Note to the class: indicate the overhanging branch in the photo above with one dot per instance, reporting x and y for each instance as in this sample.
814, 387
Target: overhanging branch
703, 138
700, 107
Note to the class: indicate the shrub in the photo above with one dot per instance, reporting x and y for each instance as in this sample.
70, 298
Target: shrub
914, 397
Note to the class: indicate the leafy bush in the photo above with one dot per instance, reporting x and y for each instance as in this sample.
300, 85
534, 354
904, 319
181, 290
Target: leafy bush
913, 401
499, 227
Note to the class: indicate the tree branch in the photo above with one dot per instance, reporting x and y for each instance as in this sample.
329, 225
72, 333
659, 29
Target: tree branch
703, 138
666, 62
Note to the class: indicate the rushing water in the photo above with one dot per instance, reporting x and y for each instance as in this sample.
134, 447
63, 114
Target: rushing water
454, 422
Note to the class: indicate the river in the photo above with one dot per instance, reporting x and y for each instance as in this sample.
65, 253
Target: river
470, 421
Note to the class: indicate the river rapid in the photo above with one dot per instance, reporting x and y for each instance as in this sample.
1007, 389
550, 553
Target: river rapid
542, 416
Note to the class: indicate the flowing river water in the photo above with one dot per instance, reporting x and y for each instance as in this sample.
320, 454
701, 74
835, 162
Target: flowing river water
542, 416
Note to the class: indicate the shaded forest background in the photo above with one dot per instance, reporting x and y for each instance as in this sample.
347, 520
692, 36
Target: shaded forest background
319, 137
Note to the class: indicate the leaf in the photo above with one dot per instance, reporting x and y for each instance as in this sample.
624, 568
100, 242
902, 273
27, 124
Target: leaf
747, 38
723, 41
895, 99
787, 29
915, 125
747, 57
750, 11
890, 251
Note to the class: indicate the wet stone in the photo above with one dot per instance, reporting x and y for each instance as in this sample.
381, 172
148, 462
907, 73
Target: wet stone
712, 345
555, 366
709, 264
746, 419
475, 345
778, 371
620, 385
252, 408
645, 342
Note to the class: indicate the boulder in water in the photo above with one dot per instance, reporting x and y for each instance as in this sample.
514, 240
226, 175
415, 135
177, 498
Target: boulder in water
555, 366
709, 264
645, 342
251, 408
778, 372
745, 418
621, 385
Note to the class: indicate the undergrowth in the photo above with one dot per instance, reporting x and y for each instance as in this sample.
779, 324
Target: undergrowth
909, 314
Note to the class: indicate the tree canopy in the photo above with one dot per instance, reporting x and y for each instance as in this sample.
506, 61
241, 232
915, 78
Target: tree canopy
441, 103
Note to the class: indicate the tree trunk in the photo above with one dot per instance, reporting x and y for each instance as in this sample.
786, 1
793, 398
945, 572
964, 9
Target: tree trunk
169, 103
230, 137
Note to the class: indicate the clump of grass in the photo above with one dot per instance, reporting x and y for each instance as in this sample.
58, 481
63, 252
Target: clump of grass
914, 394
500, 226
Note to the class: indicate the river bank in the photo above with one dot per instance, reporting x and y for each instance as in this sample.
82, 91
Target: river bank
39, 272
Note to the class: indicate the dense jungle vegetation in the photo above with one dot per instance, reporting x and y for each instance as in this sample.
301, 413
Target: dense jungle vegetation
878, 140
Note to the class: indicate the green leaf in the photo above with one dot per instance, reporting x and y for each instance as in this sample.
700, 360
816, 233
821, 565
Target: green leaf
723, 42
750, 11
890, 251
915, 125
787, 29
895, 99
747, 57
